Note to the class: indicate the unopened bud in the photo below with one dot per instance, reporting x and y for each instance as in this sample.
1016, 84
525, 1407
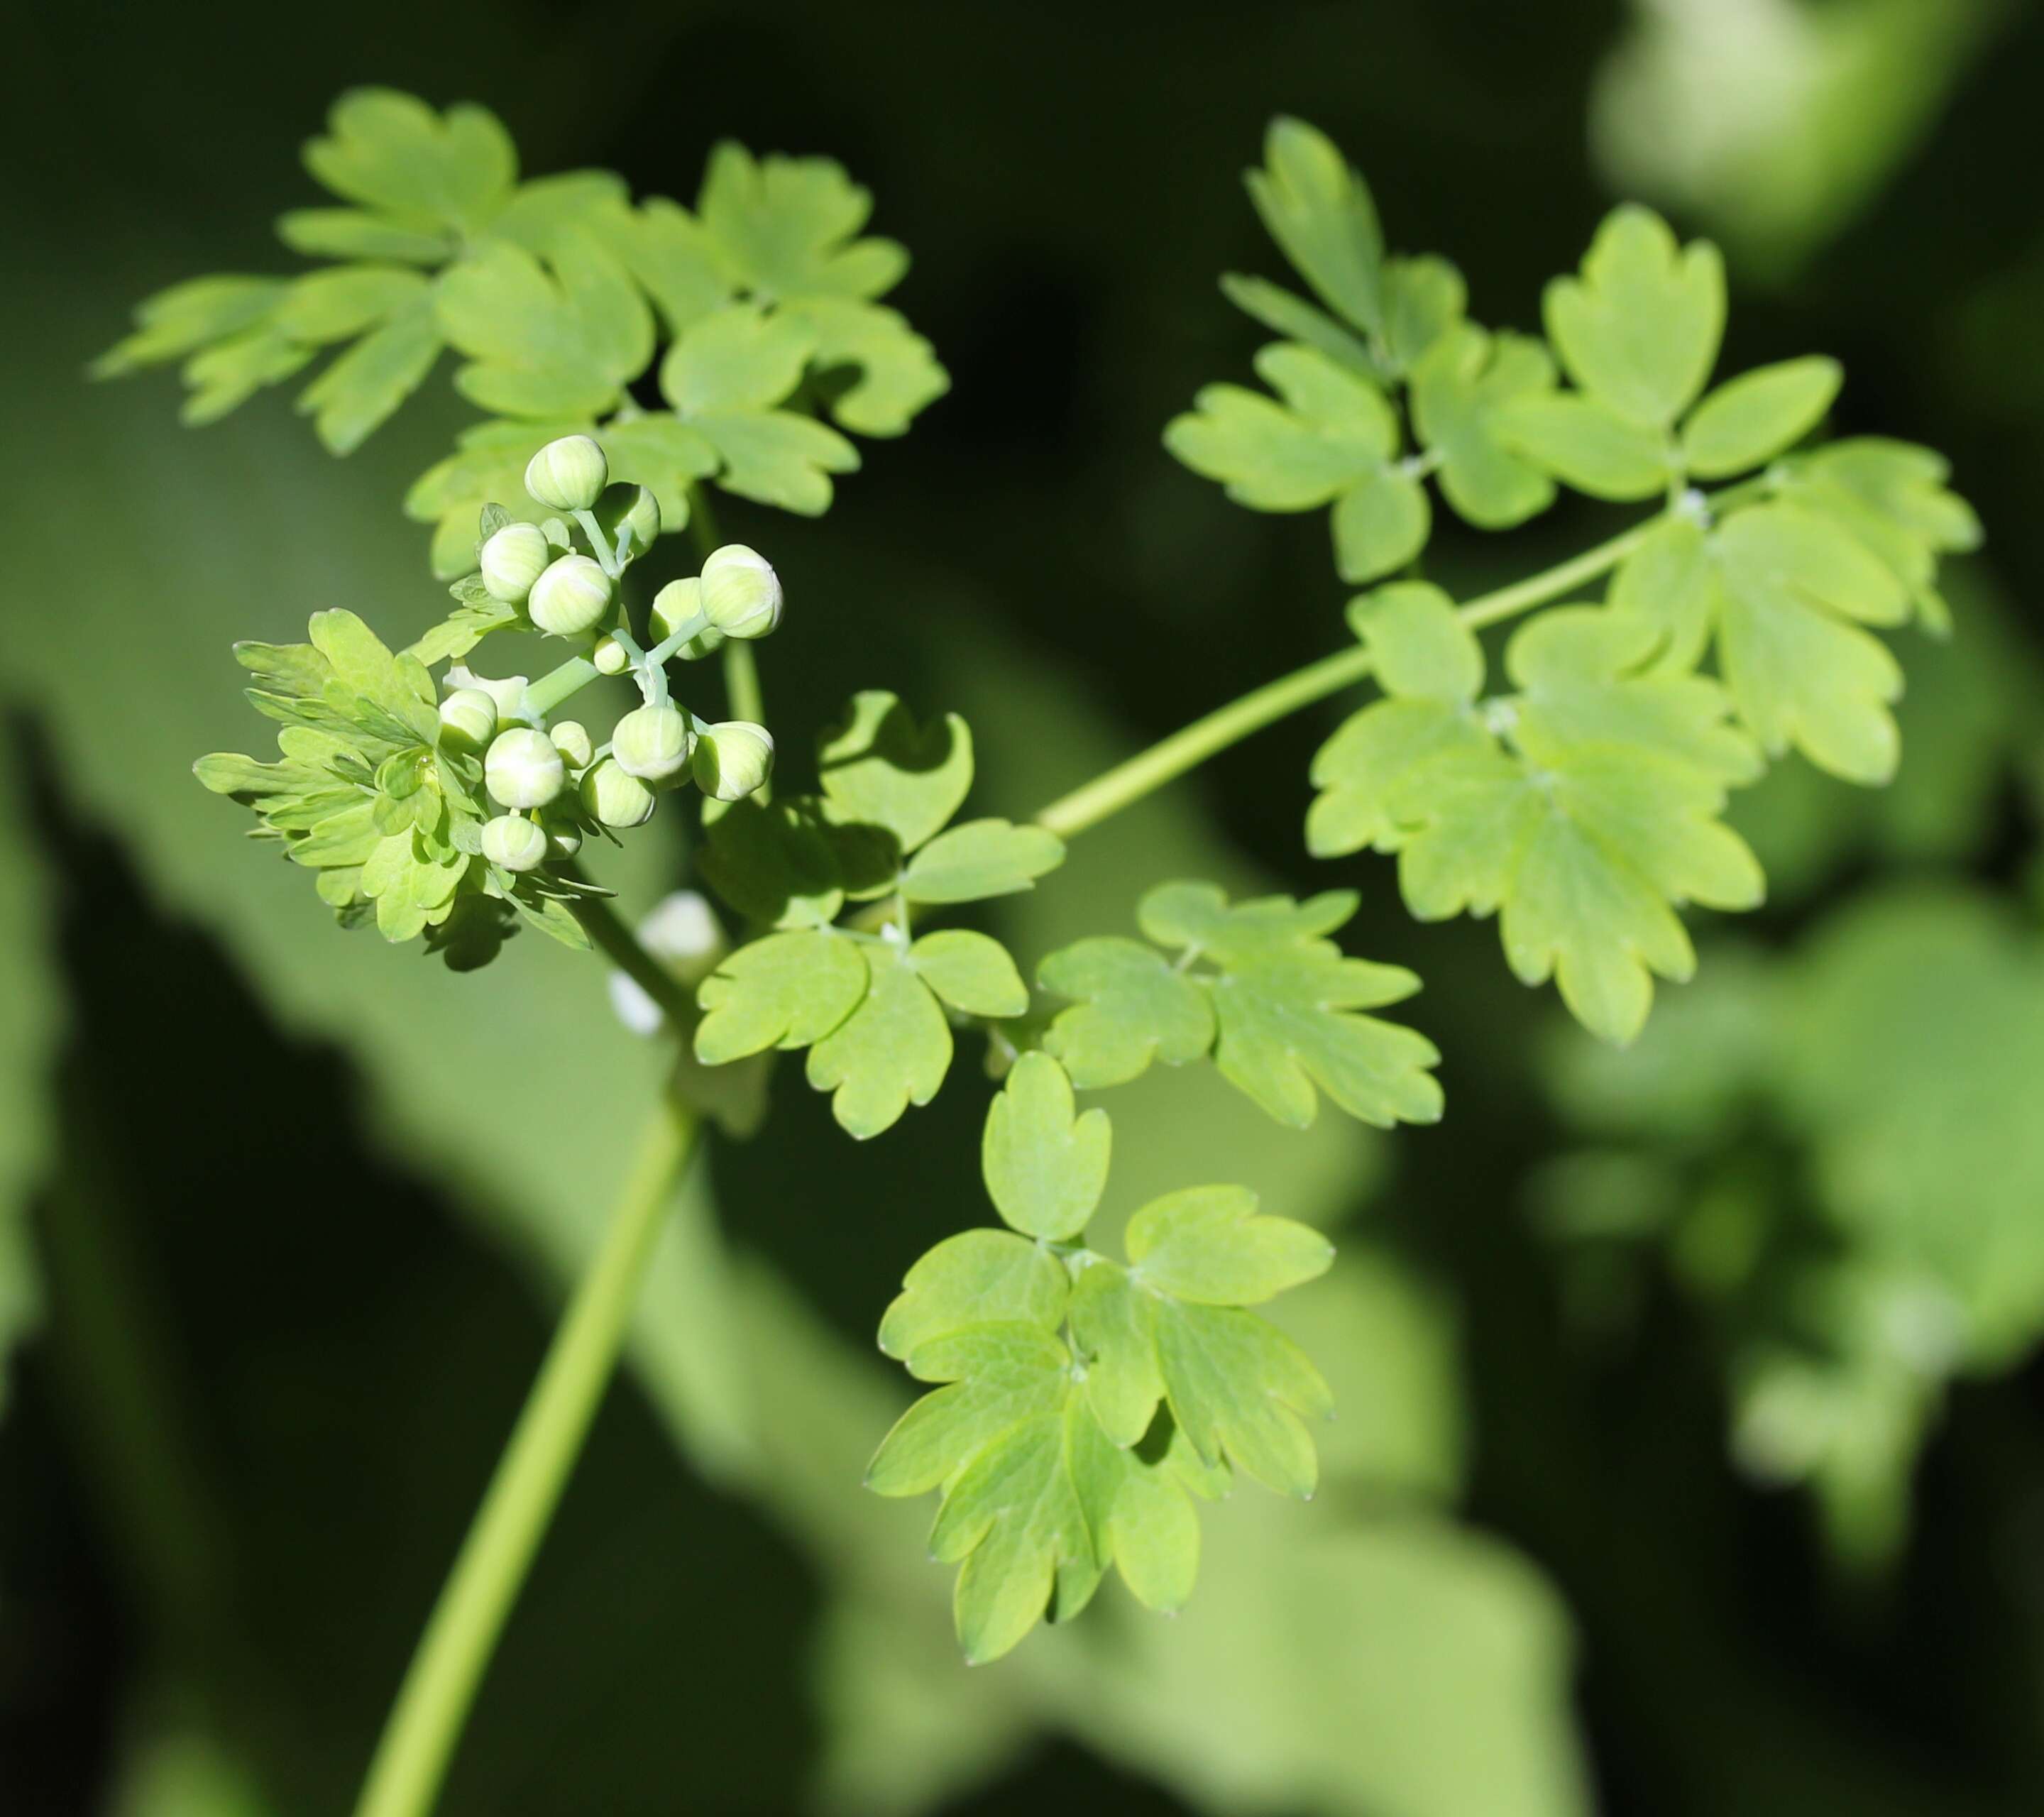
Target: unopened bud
515, 844
563, 835
571, 739
568, 475
733, 759
610, 657
572, 596
653, 743
633, 510
741, 593
513, 559
677, 604
468, 720
615, 797
523, 770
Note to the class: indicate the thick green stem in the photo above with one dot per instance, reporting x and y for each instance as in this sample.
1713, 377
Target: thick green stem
557, 687
1192, 745
432, 1704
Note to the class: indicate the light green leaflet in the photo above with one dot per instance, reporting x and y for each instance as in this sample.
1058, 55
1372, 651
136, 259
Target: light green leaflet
1334, 440
873, 1009
1638, 331
1581, 809
1259, 986
1083, 1402
366, 796
555, 292
1786, 592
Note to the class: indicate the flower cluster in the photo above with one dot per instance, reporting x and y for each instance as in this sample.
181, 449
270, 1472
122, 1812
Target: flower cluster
449, 810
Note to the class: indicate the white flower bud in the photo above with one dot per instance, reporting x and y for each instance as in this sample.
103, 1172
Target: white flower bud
732, 759
572, 740
468, 720
573, 596
653, 743
617, 799
741, 593
513, 559
631, 508
516, 844
513, 706
568, 475
677, 604
610, 657
523, 770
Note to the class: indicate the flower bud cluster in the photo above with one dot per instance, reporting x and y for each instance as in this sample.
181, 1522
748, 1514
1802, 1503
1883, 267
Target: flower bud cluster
548, 785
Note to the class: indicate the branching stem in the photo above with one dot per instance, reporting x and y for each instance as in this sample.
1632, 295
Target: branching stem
1191, 746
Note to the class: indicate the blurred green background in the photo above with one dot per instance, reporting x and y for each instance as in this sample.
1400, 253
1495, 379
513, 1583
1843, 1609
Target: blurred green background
1691, 1450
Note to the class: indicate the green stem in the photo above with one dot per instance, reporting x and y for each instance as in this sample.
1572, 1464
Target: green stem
557, 687
1192, 745
432, 1704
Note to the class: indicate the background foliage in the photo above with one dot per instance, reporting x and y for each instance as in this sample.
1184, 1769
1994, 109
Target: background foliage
1689, 1455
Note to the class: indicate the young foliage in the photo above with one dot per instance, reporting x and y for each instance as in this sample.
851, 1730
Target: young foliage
872, 1006
556, 294
1581, 808
1084, 1403
1259, 986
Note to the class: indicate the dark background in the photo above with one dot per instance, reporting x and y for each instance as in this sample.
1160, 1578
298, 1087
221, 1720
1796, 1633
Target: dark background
276, 1361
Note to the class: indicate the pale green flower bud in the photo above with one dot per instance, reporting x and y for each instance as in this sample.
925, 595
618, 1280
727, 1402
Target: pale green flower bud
632, 509
610, 657
732, 759
516, 844
523, 769
572, 740
513, 559
613, 795
468, 720
568, 475
653, 743
563, 835
573, 596
741, 593
677, 604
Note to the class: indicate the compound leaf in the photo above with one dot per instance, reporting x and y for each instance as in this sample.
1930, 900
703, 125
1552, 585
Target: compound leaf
1285, 1003
1045, 1165
896, 370
737, 358
893, 1050
1134, 1007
